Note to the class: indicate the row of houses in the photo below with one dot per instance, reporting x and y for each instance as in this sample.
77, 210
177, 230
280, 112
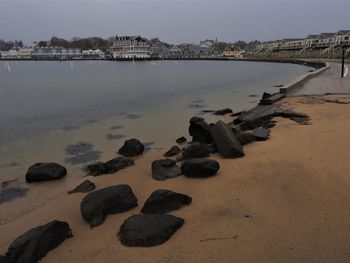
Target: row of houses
52, 53
330, 41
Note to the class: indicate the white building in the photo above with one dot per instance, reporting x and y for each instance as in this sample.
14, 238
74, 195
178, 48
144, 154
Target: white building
130, 47
97, 53
25, 53
12, 53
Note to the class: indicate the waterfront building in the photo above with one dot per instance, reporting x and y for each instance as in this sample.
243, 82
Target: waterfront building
11, 54
232, 51
207, 43
93, 54
25, 53
56, 53
131, 47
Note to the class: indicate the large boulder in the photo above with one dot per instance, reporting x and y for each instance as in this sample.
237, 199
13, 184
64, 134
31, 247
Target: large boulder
200, 168
226, 141
165, 169
34, 244
131, 148
245, 137
110, 200
84, 187
199, 130
112, 166
164, 201
195, 150
175, 150
45, 172
147, 230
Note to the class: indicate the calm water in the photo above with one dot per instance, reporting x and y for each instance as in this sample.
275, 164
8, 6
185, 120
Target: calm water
45, 106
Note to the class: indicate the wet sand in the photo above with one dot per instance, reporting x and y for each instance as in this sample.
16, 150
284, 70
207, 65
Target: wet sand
287, 200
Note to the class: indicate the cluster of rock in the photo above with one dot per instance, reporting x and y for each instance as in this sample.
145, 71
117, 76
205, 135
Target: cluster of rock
153, 225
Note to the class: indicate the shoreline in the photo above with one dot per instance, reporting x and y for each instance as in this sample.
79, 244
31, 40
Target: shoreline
143, 188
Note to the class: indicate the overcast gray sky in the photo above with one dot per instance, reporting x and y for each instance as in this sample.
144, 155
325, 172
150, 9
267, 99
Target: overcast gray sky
172, 21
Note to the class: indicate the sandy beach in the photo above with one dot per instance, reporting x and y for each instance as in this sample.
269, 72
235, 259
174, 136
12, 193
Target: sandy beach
287, 200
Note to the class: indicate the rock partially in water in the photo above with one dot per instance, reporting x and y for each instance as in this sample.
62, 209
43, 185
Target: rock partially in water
131, 148
84, 187
164, 201
199, 130
165, 169
261, 134
147, 230
195, 150
37, 242
226, 141
83, 157
223, 111
10, 190
181, 140
112, 166
199, 168
110, 200
78, 148
45, 172
175, 150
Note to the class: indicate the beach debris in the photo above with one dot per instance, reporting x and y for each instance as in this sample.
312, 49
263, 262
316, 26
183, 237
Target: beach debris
110, 200
10, 190
147, 230
84, 187
175, 150
195, 150
226, 141
200, 167
223, 111
132, 147
262, 114
181, 140
45, 172
165, 169
199, 130
34, 244
110, 167
245, 138
164, 201
261, 134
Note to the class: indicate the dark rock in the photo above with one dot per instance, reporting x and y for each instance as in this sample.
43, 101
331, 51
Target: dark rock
110, 200
163, 201
173, 151
78, 148
278, 86
181, 140
109, 167
223, 111
199, 130
261, 115
246, 138
45, 172
37, 242
4, 259
83, 157
269, 125
165, 169
261, 134
211, 148
195, 150
266, 96
9, 193
131, 148
200, 168
147, 230
301, 120
226, 141
84, 187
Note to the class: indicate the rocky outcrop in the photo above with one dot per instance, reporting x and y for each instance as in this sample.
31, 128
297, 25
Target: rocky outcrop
181, 140
109, 167
165, 169
223, 111
45, 172
37, 242
84, 187
261, 134
131, 148
199, 130
175, 150
147, 230
195, 150
198, 168
164, 201
246, 138
226, 141
110, 200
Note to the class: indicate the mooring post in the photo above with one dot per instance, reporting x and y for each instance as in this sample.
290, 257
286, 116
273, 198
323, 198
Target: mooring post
342, 62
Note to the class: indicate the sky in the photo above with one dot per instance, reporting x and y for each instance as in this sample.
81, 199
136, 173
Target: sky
172, 21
